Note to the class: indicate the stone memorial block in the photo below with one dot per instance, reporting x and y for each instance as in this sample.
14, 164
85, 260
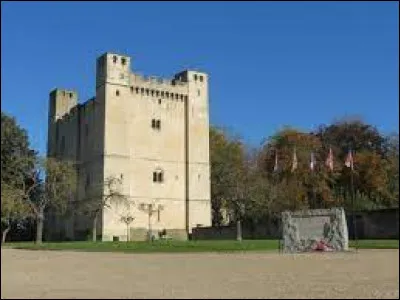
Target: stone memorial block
318, 229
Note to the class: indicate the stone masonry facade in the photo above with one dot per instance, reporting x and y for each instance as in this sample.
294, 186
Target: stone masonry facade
151, 132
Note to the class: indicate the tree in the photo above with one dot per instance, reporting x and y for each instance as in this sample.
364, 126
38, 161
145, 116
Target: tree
17, 162
127, 219
100, 196
228, 176
150, 209
13, 207
351, 133
301, 187
374, 162
50, 186
392, 167
16, 156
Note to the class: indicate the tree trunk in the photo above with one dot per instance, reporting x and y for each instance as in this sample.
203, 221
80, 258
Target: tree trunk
150, 229
94, 229
239, 230
3, 240
39, 226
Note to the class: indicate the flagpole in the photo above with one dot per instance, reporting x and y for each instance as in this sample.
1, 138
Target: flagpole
313, 179
275, 181
314, 193
353, 209
350, 161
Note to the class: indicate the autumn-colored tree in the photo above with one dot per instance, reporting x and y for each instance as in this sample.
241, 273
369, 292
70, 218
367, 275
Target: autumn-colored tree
372, 166
229, 176
298, 185
227, 169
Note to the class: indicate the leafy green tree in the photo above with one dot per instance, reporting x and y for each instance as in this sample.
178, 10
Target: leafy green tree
16, 156
17, 162
13, 207
50, 188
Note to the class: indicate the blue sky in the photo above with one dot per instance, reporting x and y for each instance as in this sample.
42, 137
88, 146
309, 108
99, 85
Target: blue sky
270, 63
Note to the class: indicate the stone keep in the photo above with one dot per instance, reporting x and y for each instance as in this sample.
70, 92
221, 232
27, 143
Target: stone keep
302, 230
151, 132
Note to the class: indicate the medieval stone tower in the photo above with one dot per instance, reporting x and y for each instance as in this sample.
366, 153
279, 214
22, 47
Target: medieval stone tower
152, 133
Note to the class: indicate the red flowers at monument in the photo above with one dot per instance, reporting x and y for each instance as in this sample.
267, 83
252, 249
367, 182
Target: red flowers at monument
321, 246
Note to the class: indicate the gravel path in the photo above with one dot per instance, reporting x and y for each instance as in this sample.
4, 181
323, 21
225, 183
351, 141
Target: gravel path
51, 274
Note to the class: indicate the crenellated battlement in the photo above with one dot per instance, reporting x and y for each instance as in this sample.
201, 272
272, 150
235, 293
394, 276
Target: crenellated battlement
155, 80
158, 84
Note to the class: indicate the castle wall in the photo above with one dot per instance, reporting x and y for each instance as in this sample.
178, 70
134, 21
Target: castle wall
113, 134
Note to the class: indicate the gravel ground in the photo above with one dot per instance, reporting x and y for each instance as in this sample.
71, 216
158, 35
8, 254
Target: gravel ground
53, 274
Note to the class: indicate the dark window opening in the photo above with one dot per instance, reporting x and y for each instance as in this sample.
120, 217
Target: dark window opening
117, 93
123, 61
155, 124
137, 90
159, 101
201, 78
152, 92
70, 95
147, 92
131, 89
114, 59
158, 176
195, 76
142, 91
157, 93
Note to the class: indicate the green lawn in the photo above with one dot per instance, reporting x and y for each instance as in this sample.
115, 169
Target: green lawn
184, 246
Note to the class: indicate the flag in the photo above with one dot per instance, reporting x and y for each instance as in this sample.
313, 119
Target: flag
349, 160
313, 162
329, 160
276, 162
294, 165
